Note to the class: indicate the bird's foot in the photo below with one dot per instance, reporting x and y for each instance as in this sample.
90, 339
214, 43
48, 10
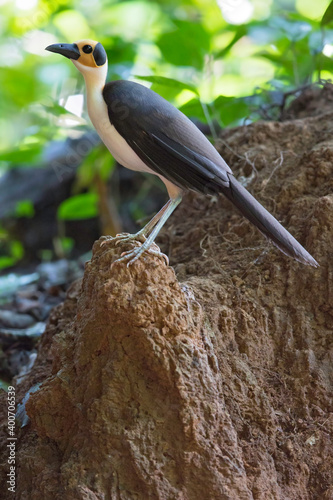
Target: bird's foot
125, 237
133, 255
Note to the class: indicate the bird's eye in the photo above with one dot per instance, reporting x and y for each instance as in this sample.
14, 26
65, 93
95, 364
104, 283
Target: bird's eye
87, 49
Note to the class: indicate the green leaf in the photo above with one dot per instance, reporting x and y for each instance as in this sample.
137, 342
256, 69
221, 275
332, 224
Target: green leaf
57, 110
80, 206
4, 385
21, 86
16, 250
6, 262
22, 155
121, 51
186, 46
230, 110
169, 82
293, 30
283, 62
98, 160
316, 42
106, 166
67, 244
24, 208
71, 24
240, 32
328, 15
193, 109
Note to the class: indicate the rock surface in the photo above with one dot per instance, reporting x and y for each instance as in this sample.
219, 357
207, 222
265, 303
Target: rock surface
212, 381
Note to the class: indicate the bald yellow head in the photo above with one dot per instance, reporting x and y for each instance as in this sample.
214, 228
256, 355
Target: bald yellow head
92, 53
87, 55
88, 52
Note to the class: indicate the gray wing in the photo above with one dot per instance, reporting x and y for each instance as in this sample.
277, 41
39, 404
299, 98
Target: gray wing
165, 139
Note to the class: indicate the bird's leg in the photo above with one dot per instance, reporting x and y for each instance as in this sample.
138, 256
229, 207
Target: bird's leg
153, 227
144, 232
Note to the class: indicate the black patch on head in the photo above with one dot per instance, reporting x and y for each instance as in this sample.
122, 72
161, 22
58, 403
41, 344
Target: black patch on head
99, 54
87, 49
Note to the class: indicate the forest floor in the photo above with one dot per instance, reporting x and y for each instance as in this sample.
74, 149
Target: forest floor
211, 379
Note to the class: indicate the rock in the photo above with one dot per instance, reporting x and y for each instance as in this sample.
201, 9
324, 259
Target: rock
10, 319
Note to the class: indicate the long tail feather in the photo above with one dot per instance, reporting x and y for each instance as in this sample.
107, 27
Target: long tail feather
266, 223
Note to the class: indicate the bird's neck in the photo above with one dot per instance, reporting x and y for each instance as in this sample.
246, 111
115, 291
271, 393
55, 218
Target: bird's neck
95, 82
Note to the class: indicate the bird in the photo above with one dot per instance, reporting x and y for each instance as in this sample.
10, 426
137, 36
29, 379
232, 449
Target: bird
146, 133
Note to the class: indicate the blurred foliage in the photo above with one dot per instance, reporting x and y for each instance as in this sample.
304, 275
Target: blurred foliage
80, 206
220, 61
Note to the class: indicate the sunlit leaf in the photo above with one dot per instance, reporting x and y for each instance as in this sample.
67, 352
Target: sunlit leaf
328, 15
310, 9
23, 155
193, 109
240, 32
134, 19
169, 82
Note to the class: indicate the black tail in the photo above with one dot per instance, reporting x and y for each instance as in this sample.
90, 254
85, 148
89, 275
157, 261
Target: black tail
266, 223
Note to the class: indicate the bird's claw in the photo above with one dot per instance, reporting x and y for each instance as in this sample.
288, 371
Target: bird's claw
158, 253
125, 237
133, 255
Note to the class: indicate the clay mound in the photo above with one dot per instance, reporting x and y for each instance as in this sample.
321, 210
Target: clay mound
214, 382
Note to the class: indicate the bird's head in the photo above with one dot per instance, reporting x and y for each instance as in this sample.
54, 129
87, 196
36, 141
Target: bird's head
88, 56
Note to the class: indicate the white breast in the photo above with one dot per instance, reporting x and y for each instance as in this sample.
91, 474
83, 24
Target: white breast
115, 143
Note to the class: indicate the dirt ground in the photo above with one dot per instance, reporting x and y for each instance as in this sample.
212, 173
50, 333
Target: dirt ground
211, 379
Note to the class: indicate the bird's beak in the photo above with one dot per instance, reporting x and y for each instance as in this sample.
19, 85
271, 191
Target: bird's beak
69, 50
